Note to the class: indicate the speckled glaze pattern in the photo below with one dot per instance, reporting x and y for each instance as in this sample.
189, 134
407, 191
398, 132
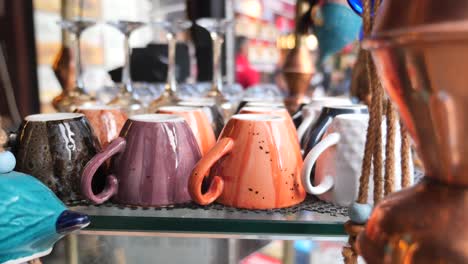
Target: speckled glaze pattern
254, 165
316, 131
200, 125
56, 153
151, 166
106, 123
273, 111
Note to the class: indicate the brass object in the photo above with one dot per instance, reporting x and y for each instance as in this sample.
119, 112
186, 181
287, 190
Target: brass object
298, 67
71, 96
420, 49
298, 70
422, 224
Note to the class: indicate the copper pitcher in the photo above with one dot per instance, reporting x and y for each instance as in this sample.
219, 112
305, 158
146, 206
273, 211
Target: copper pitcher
420, 49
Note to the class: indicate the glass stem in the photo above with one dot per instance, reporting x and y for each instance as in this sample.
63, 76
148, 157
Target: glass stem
78, 70
171, 85
217, 71
126, 78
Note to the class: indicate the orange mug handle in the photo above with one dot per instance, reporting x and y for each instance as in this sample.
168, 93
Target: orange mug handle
202, 168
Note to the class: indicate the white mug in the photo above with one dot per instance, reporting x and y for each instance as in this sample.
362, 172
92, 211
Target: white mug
338, 159
311, 111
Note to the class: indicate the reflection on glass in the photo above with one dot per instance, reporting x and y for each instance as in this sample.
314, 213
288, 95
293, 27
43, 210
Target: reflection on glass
217, 28
74, 96
170, 97
125, 98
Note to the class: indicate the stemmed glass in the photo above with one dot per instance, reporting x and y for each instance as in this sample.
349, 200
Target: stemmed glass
125, 98
74, 96
217, 28
169, 96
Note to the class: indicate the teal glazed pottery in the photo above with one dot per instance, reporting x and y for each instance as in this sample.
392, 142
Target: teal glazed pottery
55, 149
335, 26
32, 218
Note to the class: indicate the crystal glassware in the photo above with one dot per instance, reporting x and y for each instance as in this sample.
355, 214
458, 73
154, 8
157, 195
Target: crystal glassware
125, 98
169, 96
73, 95
217, 28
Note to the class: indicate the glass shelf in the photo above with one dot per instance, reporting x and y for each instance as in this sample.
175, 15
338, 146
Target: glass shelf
311, 218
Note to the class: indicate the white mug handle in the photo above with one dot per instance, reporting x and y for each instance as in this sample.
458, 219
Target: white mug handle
309, 163
304, 126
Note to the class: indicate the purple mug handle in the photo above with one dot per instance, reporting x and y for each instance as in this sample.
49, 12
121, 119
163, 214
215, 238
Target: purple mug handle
116, 146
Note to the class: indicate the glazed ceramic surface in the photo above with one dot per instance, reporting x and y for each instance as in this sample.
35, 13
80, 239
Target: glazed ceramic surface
55, 149
271, 111
106, 121
153, 158
198, 122
255, 100
32, 218
213, 112
256, 164
315, 132
338, 158
312, 110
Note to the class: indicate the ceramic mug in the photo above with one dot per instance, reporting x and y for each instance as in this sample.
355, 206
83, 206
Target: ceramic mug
315, 132
106, 121
311, 111
152, 161
256, 164
271, 111
212, 111
265, 104
198, 122
247, 100
338, 160
55, 149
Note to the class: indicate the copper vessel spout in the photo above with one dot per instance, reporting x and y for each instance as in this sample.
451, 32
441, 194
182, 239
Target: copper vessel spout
420, 49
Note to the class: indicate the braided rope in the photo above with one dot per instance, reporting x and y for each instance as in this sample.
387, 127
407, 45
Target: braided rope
389, 183
377, 109
405, 156
369, 147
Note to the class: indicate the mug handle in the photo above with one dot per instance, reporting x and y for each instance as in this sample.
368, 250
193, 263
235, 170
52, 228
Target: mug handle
202, 168
309, 163
116, 146
304, 126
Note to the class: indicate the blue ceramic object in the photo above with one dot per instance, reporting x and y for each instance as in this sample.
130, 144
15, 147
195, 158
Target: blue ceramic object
32, 218
336, 26
359, 213
357, 6
7, 162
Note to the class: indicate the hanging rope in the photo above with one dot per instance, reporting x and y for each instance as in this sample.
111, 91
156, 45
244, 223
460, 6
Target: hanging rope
389, 185
373, 160
405, 157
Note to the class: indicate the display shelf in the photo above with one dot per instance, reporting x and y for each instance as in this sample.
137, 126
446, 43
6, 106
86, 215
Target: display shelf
311, 218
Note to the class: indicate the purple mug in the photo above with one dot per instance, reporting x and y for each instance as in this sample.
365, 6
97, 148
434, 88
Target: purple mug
151, 164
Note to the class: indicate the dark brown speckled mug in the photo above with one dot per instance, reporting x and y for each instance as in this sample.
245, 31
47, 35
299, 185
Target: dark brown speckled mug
55, 149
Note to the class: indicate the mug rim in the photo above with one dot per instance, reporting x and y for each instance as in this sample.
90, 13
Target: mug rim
156, 118
347, 106
262, 109
178, 108
265, 104
258, 117
49, 117
352, 116
195, 104
99, 107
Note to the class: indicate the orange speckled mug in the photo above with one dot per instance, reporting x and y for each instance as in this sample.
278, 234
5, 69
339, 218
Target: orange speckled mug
271, 111
198, 122
256, 164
